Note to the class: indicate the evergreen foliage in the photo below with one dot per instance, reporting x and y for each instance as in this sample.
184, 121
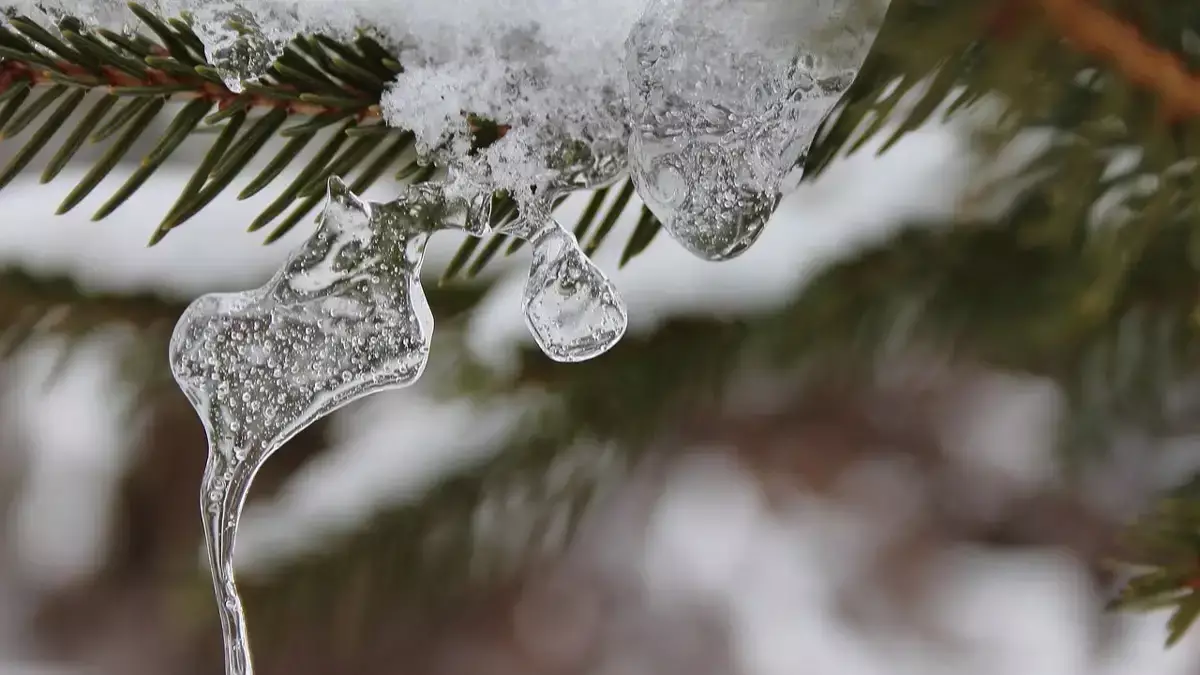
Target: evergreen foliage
1087, 274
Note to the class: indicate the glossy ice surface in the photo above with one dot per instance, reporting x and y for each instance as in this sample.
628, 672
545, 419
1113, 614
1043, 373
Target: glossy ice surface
346, 317
725, 98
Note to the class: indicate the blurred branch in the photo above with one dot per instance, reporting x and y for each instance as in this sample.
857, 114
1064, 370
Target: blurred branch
31, 306
1097, 32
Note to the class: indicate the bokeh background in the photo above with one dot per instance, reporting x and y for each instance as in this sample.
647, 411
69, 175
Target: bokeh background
916, 522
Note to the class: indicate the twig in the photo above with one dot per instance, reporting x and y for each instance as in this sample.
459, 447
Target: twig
12, 72
1096, 32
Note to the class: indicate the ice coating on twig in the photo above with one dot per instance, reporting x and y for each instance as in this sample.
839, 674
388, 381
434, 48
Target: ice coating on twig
554, 69
236, 44
536, 165
346, 317
726, 96
547, 70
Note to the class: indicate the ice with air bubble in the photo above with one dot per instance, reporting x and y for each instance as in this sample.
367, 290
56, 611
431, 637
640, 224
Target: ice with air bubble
240, 43
344, 318
725, 98
572, 309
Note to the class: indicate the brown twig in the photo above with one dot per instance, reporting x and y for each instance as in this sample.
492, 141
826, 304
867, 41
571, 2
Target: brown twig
1093, 30
12, 72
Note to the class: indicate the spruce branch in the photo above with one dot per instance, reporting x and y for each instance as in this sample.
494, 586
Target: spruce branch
1163, 550
1104, 304
318, 87
31, 306
1023, 53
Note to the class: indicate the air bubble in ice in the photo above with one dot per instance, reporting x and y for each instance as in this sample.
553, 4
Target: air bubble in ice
725, 98
346, 325
235, 43
572, 309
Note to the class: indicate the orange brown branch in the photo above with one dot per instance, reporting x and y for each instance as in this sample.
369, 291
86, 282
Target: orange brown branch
12, 72
1094, 31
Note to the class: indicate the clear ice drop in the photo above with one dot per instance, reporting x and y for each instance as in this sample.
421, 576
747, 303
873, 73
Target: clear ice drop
725, 98
344, 318
572, 309
235, 44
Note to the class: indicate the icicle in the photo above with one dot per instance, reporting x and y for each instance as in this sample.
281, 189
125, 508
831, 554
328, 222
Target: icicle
572, 309
724, 105
346, 317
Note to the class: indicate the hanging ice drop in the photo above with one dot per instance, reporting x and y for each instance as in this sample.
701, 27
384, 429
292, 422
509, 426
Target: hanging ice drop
344, 318
572, 309
725, 97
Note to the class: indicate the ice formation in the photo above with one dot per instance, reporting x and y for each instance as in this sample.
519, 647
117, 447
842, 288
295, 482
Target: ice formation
236, 43
572, 309
708, 103
550, 70
346, 317
725, 97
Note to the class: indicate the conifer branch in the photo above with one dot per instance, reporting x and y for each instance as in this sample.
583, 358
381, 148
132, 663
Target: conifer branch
150, 81
318, 86
1048, 287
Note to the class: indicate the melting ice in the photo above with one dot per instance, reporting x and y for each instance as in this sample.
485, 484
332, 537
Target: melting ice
725, 97
235, 43
572, 309
344, 318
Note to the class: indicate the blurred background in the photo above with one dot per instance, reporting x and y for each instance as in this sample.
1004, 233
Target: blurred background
716, 496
